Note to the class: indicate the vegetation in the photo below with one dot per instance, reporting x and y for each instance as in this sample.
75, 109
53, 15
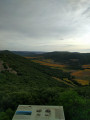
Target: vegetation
67, 62
32, 83
74, 60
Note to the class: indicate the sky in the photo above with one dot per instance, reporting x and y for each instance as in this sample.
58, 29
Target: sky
45, 25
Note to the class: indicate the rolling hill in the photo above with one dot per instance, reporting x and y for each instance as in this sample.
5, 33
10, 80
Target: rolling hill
73, 59
25, 82
27, 53
67, 57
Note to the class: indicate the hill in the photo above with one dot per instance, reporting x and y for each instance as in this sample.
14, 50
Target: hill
27, 53
73, 59
25, 82
67, 57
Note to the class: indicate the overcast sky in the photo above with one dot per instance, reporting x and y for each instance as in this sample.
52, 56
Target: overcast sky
45, 25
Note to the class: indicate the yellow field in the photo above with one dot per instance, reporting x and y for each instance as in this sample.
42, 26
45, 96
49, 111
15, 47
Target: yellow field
30, 57
49, 63
82, 76
82, 73
86, 66
65, 82
82, 82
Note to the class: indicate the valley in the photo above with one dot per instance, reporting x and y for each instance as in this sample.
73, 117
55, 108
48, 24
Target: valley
43, 81
81, 76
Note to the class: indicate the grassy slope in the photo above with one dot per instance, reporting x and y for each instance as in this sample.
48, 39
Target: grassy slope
28, 71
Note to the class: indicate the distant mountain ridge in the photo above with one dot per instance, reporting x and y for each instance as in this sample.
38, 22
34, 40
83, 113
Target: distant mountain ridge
57, 56
67, 57
28, 53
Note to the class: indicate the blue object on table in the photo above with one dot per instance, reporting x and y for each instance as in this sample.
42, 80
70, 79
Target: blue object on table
23, 112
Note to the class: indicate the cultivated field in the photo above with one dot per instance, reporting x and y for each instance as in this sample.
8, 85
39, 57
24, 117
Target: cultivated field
82, 76
49, 64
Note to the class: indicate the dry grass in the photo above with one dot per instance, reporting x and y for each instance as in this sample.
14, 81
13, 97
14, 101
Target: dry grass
30, 57
49, 64
85, 66
82, 82
82, 76
82, 73
65, 82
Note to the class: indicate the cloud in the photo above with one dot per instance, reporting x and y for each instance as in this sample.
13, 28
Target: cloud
43, 22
